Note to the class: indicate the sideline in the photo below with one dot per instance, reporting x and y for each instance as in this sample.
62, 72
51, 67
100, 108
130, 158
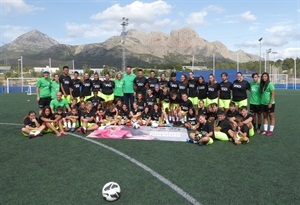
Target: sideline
161, 178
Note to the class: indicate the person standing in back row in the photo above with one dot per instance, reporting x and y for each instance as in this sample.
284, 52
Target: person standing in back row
128, 78
43, 92
65, 84
239, 90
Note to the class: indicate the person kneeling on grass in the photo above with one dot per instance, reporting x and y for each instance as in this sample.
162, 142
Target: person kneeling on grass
247, 119
222, 126
241, 134
50, 121
88, 119
204, 133
32, 127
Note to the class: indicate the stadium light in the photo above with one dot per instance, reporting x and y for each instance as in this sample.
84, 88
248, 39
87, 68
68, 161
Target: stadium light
260, 54
268, 51
22, 74
274, 54
124, 24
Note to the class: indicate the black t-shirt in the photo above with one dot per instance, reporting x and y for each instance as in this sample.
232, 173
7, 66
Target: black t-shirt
28, 122
152, 82
182, 88
50, 117
213, 90
192, 88
87, 114
108, 87
246, 117
156, 93
110, 114
192, 119
202, 112
225, 90
87, 87
150, 101
140, 84
185, 105
245, 129
202, 90
163, 83
229, 113
124, 114
141, 105
96, 101
175, 101
146, 116
156, 115
76, 85
173, 85
225, 125
164, 97
239, 90
96, 84
65, 80
206, 128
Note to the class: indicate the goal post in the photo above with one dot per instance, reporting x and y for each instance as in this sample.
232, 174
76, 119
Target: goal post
279, 80
27, 85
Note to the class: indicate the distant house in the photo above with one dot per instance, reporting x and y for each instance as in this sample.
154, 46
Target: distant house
4, 69
41, 69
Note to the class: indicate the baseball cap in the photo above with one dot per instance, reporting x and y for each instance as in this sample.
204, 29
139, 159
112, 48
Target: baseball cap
173, 74
46, 71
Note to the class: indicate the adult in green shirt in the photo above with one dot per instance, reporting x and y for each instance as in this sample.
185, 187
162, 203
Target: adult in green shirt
43, 92
268, 103
128, 78
255, 106
59, 102
119, 87
55, 86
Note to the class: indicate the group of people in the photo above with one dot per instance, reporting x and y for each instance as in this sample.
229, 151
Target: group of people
209, 110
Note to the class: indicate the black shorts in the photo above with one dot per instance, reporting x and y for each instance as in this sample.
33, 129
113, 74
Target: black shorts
268, 110
43, 102
256, 108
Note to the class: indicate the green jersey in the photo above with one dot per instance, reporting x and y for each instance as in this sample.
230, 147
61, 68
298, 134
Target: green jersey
55, 86
266, 94
119, 85
44, 85
128, 82
255, 93
55, 104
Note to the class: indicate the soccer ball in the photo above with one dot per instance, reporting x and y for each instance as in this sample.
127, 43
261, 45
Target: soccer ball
154, 124
136, 125
111, 191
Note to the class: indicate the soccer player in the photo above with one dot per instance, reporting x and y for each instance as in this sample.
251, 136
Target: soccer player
225, 92
107, 91
241, 134
96, 82
140, 83
192, 90
164, 99
128, 78
65, 84
96, 100
255, 107
140, 102
119, 86
145, 117
50, 121
173, 84
191, 119
239, 90
184, 106
87, 119
183, 84
174, 106
150, 99
213, 88
268, 103
32, 127
247, 119
163, 82
204, 133
202, 90
152, 81
43, 92
55, 86
222, 127
70, 120
59, 102
76, 86
87, 85
135, 113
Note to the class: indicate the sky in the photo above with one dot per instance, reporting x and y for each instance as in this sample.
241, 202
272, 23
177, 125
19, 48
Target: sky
239, 24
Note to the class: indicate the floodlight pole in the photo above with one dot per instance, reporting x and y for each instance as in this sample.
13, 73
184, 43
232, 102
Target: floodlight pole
260, 54
214, 64
295, 73
274, 53
267, 58
124, 24
22, 73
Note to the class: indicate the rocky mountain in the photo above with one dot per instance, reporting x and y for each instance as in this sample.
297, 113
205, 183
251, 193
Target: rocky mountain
141, 49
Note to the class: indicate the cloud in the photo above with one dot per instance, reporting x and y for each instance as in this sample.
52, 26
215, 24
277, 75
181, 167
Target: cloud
11, 32
214, 8
196, 18
18, 6
280, 30
248, 16
143, 16
291, 52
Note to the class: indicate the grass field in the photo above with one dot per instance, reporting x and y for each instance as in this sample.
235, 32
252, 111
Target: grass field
70, 170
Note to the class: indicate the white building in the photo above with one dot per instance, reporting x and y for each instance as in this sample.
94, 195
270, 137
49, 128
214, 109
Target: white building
4, 69
41, 69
